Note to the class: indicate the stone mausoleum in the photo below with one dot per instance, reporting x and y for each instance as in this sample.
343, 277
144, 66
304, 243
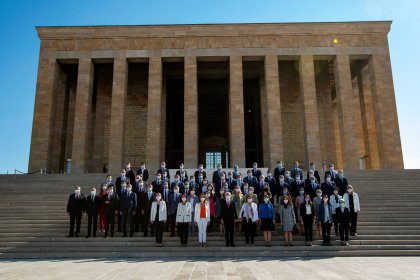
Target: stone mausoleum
209, 93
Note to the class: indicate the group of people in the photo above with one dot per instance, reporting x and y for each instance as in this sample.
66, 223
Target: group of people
235, 203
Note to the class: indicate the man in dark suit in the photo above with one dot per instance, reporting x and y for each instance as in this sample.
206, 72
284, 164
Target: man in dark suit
199, 182
112, 202
128, 210
174, 199
163, 169
138, 189
328, 186
231, 182
130, 173
235, 172
341, 182
158, 183
312, 170
258, 188
342, 214
255, 171
146, 206
119, 180
228, 217
181, 169
200, 171
251, 180
238, 182
296, 171
143, 171
330, 172
279, 170
76, 205
218, 174
311, 185
296, 185
93, 202
271, 182
177, 183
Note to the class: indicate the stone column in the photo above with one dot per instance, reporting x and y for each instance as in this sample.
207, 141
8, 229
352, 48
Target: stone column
386, 119
273, 122
154, 113
190, 112
82, 115
118, 101
236, 113
368, 119
308, 92
346, 112
40, 154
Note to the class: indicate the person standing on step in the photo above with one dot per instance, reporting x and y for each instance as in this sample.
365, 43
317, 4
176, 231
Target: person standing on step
316, 202
228, 215
183, 219
111, 202
146, 205
102, 220
193, 200
341, 182
307, 213
343, 218
93, 204
334, 200
249, 215
158, 217
353, 204
202, 219
174, 199
326, 218
287, 219
128, 210
267, 219
76, 205
144, 172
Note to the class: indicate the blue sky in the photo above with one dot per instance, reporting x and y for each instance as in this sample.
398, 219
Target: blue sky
19, 47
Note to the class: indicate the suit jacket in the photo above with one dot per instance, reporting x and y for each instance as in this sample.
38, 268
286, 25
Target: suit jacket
92, 207
128, 203
277, 172
256, 173
328, 188
172, 203
295, 171
145, 173
157, 187
146, 202
118, 183
332, 174
295, 186
228, 213
174, 184
111, 203
162, 170
231, 183
130, 174
197, 172
76, 205
321, 212
252, 182
316, 175
216, 176
342, 217
309, 189
303, 211
178, 172
341, 184
168, 193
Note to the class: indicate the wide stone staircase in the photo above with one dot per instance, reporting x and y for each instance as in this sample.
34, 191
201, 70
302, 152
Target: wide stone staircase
34, 223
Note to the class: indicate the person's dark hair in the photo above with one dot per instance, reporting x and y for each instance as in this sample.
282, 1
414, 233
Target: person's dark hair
249, 196
288, 198
310, 200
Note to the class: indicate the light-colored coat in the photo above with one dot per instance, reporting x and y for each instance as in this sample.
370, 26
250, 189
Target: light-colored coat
162, 211
334, 204
356, 201
197, 212
183, 214
244, 210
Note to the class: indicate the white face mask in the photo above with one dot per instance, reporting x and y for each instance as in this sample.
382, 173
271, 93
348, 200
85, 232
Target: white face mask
228, 198
307, 200
328, 179
192, 192
176, 191
282, 180
285, 201
129, 190
202, 199
77, 191
222, 193
301, 192
158, 198
266, 200
336, 193
249, 200
183, 199
92, 193
319, 194
150, 189
325, 199
349, 190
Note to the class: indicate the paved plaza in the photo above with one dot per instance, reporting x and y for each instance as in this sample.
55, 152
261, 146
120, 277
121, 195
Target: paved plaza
294, 268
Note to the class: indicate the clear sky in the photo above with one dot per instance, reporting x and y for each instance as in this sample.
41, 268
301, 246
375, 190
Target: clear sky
19, 48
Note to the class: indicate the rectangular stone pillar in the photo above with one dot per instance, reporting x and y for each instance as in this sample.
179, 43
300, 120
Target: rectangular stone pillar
82, 116
190, 112
310, 105
40, 154
273, 122
386, 119
346, 112
118, 103
236, 112
154, 114
368, 119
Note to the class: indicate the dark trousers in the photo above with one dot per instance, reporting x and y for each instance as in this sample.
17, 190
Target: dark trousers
183, 232
250, 229
307, 224
344, 232
229, 232
92, 219
119, 222
172, 219
159, 226
137, 220
335, 224
353, 220
75, 217
326, 232
127, 216
146, 223
110, 221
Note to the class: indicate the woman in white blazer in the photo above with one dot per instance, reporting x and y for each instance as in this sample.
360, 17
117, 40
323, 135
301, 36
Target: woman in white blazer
202, 219
158, 217
249, 215
183, 219
353, 204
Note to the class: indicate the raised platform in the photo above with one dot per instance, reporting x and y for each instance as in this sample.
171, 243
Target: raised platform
34, 224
